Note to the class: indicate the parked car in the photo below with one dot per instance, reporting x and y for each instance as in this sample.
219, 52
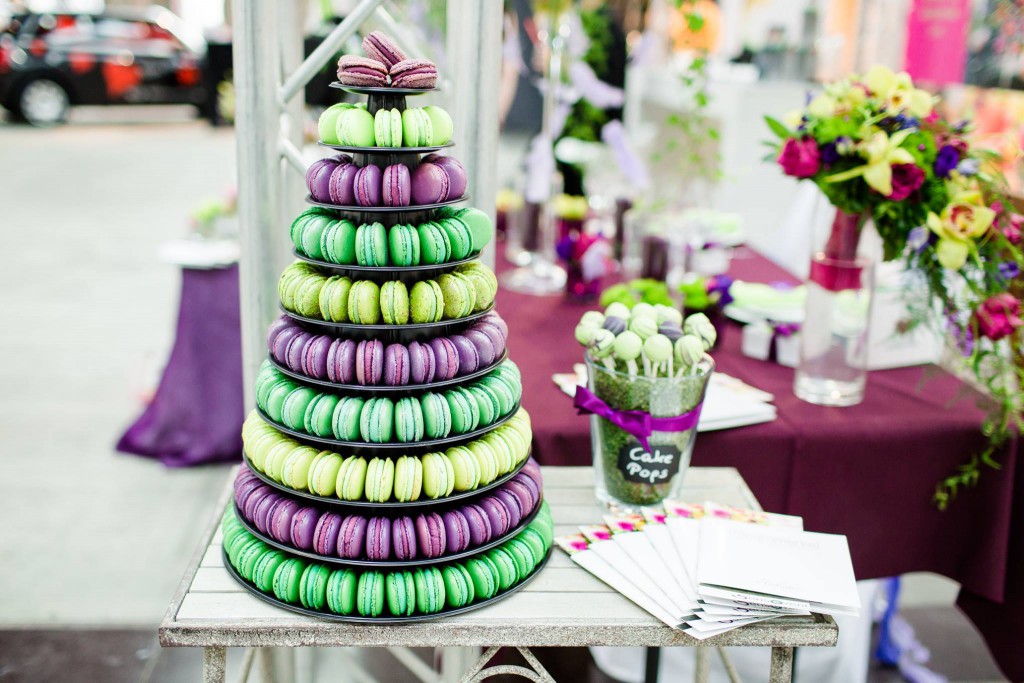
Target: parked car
51, 61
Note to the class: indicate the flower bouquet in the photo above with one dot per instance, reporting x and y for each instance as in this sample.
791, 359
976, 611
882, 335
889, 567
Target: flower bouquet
877, 149
647, 373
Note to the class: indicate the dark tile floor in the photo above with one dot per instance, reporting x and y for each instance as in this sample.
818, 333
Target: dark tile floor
134, 656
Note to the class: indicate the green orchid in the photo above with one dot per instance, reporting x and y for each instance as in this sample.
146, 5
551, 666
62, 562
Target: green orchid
881, 151
960, 223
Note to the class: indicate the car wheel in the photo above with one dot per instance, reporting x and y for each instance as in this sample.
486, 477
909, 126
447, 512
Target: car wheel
44, 102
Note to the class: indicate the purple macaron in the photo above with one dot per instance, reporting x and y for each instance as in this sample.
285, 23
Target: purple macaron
497, 321
378, 46
493, 333
456, 531
366, 186
455, 171
403, 538
261, 518
485, 347
479, 524
325, 536
446, 358
378, 538
303, 526
532, 470
396, 365
279, 349
430, 535
353, 70
281, 521
341, 189
279, 326
497, 514
430, 184
248, 500
318, 176
469, 356
397, 185
314, 356
513, 505
421, 363
341, 361
413, 73
293, 354
369, 362
520, 482
351, 537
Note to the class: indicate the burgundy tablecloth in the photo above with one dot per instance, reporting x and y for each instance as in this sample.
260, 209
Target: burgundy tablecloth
196, 415
867, 471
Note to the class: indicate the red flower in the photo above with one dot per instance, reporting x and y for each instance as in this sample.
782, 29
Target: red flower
1012, 228
999, 316
800, 158
905, 179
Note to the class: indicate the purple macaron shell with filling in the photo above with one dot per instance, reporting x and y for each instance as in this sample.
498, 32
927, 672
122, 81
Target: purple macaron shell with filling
421, 363
397, 186
512, 504
456, 531
403, 538
314, 356
303, 525
485, 347
455, 171
378, 538
378, 46
446, 358
492, 333
276, 328
396, 365
281, 342
532, 470
352, 537
247, 500
261, 517
325, 536
521, 480
353, 70
369, 362
414, 73
367, 185
281, 522
497, 321
293, 356
341, 361
430, 184
342, 185
479, 524
497, 514
430, 536
318, 176
469, 356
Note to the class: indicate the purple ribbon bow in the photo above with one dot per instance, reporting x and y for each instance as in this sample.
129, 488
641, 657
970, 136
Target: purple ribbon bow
785, 329
635, 422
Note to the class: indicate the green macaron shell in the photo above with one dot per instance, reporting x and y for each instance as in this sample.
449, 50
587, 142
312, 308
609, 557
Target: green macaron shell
486, 461
417, 130
485, 577
311, 232
248, 555
533, 539
507, 572
293, 410
364, 303
401, 594
319, 417
437, 416
341, 591
370, 594
438, 475
295, 472
426, 302
338, 242
380, 480
467, 474
459, 237
440, 123
351, 481
334, 299
307, 296
435, 246
372, 245
355, 127
266, 567
394, 302
458, 294
464, 410
458, 586
327, 125
287, 579
323, 473
408, 479
479, 224
387, 128
313, 586
484, 282
408, 420
377, 420
276, 399
488, 402
404, 245
507, 396
345, 422
429, 590
521, 554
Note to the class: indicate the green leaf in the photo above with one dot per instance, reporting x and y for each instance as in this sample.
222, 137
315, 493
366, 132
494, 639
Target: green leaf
694, 22
777, 127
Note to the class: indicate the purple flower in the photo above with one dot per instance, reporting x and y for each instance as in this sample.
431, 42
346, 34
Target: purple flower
961, 334
968, 167
946, 160
829, 153
918, 238
1008, 270
800, 158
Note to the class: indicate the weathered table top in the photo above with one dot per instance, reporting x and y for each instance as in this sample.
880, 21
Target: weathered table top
563, 606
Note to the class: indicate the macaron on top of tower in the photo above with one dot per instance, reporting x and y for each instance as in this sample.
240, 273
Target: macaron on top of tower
385, 64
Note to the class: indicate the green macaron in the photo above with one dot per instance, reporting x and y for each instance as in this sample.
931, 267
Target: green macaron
351, 481
371, 245
293, 410
485, 576
401, 594
345, 422
485, 283
429, 590
380, 479
287, 579
370, 594
341, 591
464, 409
417, 129
507, 572
248, 556
334, 298
338, 242
394, 302
377, 420
435, 246
535, 542
319, 416
387, 128
458, 294
440, 124
355, 128
295, 469
323, 473
408, 420
364, 303
437, 416
459, 237
486, 460
521, 555
438, 475
307, 296
275, 401
458, 585
479, 224
464, 466
313, 586
404, 245
488, 402
408, 478
327, 126
426, 302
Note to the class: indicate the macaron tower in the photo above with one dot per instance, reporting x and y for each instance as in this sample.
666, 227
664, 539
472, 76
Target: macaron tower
387, 470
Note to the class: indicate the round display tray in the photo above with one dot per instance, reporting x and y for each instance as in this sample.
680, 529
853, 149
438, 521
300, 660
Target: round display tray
417, 446
299, 609
386, 150
423, 269
385, 209
437, 327
368, 90
386, 564
382, 388
391, 506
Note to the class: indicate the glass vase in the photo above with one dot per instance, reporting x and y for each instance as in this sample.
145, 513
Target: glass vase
628, 477
834, 335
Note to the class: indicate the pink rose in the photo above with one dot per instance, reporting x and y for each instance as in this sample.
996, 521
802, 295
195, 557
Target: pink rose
800, 158
1013, 227
905, 179
999, 316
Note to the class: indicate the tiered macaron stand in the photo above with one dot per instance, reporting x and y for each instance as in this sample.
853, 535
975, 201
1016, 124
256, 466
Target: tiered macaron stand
387, 98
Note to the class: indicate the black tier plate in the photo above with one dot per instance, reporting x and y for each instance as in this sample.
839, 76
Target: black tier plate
438, 327
385, 209
368, 90
384, 389
389, 564
330, 616
416, 447
386, 150
422, 269
391, 506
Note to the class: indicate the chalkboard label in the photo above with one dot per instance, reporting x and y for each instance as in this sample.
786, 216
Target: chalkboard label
656, 466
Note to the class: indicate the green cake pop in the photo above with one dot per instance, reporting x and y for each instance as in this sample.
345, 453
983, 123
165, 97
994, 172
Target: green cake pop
584, 333
658, 350
667, 314
643, 310
644, 326
689, 351
600, 347
700, 325
592, 319
617, 309
628, 347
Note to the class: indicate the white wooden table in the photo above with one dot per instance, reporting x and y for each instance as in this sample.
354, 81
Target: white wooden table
563, 607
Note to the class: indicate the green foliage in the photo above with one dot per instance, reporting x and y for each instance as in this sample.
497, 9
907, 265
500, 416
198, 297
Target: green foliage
777, 127
633, 292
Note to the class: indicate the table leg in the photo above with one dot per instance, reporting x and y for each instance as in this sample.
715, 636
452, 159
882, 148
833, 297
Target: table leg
701, 664
215, 664
456, 661
782, 665
652, 661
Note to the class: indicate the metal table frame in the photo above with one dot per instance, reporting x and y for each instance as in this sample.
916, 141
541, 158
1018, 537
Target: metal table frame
563, 607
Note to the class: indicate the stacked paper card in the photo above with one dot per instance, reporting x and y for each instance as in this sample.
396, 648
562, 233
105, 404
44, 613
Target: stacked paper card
707, 569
